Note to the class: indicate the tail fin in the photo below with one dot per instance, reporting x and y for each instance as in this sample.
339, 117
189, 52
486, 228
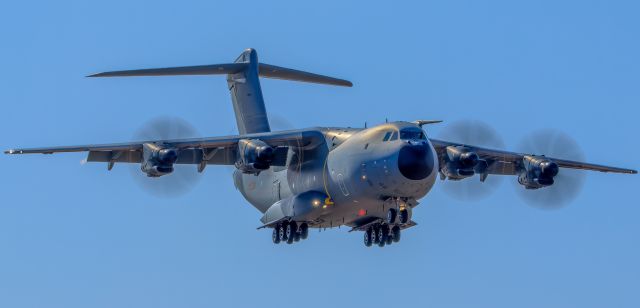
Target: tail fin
244, 85
248, 104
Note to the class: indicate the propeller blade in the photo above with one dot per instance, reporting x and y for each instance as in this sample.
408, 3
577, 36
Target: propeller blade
477, 133
184, 177
279, 123
568, 183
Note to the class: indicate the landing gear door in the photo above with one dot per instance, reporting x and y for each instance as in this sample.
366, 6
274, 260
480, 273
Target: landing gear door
276, 191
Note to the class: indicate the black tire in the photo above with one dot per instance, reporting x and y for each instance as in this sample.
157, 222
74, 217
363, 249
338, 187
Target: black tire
391, 216
304, 231
385, 230
403, 216
281, 232
395, 231
367, 238
389, 240
382, 243
382, 238
294, 226
290, 232
296, 237
374, 235
275, 236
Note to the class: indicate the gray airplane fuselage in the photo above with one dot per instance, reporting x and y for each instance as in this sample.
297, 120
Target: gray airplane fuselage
353, 177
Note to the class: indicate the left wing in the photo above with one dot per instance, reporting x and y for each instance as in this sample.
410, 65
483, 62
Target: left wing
512, 163
213, 150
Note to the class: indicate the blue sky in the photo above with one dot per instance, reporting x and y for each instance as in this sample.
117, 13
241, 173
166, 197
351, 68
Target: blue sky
76, 235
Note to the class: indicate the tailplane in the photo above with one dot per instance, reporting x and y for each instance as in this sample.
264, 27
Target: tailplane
244, 85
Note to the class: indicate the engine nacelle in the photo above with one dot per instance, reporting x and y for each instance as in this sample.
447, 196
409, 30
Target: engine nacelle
254, 156
157, 160
461, 162
538, 172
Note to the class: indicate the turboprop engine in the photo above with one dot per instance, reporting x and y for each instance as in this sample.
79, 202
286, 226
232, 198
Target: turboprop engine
461, 162
538, 172
158, 160
254, 156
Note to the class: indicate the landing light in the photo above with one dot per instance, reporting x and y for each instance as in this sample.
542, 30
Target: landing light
316, 203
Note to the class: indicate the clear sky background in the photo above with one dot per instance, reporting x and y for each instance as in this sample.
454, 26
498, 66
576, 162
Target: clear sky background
76, 235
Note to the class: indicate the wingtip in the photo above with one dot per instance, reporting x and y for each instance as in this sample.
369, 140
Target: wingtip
342, 83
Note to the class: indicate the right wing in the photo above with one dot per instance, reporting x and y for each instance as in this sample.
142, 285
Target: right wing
510, 163
212, 150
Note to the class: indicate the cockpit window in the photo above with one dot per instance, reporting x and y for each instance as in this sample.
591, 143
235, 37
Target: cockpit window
394, 136
412, 133
386, 136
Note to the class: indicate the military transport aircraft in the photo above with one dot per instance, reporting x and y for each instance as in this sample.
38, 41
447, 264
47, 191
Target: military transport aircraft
369, 179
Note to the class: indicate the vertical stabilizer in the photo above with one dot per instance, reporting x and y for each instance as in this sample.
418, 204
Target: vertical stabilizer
248, 104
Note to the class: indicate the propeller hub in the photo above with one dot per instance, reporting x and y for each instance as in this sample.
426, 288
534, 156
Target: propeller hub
549, 169
168, 156
468, 159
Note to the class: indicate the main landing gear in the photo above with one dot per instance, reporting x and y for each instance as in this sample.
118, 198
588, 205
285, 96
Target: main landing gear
387, 231
381, 234
290, 232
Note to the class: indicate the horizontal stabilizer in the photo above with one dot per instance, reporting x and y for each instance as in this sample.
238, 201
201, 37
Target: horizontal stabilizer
277, 72
215, 69
264, 70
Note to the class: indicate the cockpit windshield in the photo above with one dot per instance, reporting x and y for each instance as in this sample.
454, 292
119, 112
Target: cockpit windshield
412, 133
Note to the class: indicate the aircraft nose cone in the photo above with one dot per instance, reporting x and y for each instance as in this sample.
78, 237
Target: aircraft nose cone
416, 161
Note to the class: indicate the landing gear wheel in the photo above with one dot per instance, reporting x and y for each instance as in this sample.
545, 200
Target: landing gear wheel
367, 238
304, 231
290, 232
403, 216
374, 235
382, 236
282, 235
391, 216
396, 233
389, 240
275, 235
296, 237
382, 243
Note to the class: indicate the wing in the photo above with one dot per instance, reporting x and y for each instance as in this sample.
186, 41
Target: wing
511, 163
213, 150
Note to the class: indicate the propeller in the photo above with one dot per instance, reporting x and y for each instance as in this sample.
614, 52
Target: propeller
476, 133
278, 123
567, 183
184, 177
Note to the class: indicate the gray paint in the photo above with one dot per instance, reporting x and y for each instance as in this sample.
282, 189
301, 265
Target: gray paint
246, 95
